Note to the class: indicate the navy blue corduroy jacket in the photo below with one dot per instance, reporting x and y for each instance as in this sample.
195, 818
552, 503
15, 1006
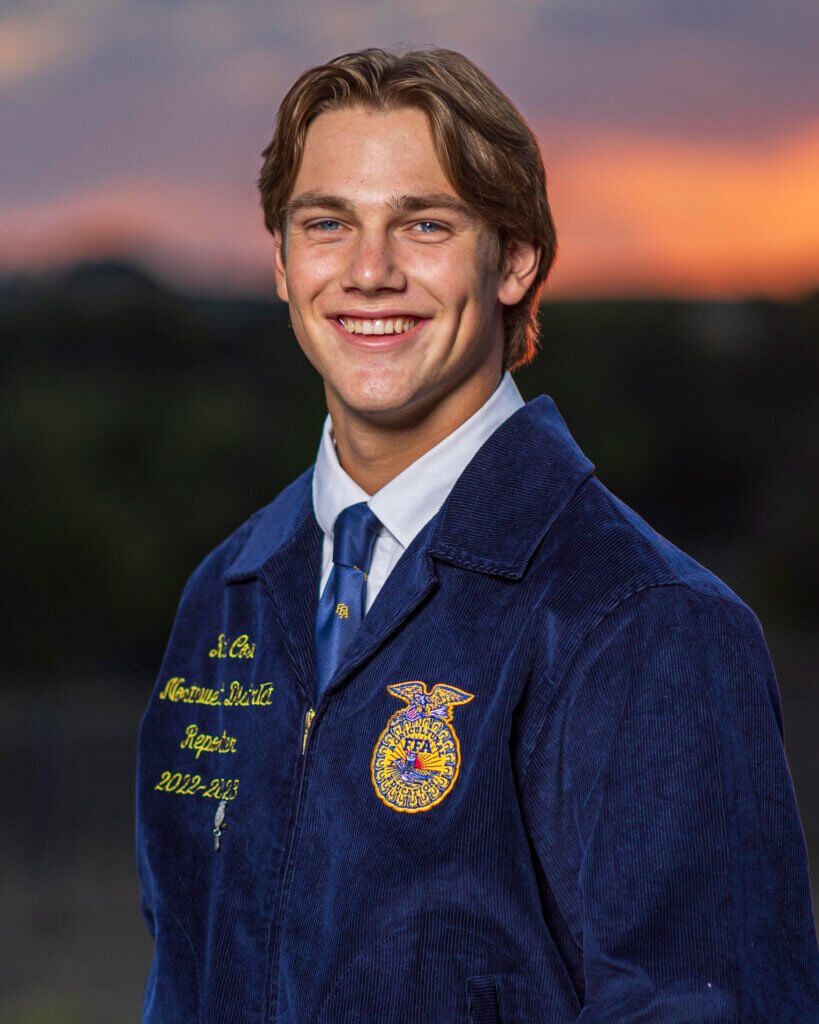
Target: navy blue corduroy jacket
546, 785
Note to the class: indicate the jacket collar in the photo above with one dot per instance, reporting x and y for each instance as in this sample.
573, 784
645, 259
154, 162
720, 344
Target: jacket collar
510, 494
273, 527
496, 515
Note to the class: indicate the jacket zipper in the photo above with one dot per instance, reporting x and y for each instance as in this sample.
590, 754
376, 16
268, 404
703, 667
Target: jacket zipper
310, 714
273, 982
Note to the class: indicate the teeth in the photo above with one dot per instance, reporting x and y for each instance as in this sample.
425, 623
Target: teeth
395, 325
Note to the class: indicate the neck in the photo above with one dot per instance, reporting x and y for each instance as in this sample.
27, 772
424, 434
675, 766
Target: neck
373, 450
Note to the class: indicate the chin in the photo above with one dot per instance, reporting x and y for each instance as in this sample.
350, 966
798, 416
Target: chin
379, 398
378, 404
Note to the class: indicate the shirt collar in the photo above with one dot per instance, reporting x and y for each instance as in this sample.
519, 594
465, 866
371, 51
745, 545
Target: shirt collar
407, 503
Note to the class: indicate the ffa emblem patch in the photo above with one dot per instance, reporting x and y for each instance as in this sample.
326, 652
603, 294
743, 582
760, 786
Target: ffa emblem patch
417, 757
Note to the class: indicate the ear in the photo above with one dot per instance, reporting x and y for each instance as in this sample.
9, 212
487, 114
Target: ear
520, 262
278, 266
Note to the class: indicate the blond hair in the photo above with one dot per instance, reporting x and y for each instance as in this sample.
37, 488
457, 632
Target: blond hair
485, 148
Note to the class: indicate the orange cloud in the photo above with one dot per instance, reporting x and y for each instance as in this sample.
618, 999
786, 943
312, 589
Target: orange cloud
708, 220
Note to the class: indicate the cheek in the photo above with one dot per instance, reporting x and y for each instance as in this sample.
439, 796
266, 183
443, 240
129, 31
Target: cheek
309, 273
451, 276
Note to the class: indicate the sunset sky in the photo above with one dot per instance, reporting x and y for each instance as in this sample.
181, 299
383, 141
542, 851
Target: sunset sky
681, 139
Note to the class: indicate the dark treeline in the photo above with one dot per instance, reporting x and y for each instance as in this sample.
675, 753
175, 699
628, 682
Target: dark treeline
140, 426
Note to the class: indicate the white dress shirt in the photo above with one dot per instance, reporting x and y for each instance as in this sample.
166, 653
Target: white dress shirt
407, 503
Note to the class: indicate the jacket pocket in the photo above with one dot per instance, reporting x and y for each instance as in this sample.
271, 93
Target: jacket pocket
483, 999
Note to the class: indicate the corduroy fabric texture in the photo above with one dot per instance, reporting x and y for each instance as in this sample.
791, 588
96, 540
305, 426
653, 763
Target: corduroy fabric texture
546, 783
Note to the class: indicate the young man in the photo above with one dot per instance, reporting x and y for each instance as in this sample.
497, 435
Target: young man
447, 733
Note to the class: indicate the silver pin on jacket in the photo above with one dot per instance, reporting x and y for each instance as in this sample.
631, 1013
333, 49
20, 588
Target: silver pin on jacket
219, 824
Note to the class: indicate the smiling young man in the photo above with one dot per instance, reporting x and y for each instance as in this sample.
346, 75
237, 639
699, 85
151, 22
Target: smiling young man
395, 287
447, 733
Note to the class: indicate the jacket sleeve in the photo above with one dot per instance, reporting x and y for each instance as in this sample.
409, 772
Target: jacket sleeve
659, 803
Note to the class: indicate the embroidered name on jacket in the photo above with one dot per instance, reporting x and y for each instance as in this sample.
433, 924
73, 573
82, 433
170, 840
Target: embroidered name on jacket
417, 757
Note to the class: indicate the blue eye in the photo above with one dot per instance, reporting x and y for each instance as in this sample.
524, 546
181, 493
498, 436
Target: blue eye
426, 225
326, 225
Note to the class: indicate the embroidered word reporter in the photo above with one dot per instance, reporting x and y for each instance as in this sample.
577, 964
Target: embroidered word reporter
487, 749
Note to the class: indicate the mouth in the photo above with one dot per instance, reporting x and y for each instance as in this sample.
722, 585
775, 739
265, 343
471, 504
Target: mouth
378, 326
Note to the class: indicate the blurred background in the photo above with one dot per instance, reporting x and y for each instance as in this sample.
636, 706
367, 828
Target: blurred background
152, 395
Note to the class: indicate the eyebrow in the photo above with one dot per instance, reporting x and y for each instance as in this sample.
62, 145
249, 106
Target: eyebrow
398, 204
431, 201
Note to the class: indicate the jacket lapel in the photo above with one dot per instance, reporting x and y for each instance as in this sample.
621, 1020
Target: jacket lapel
291, 579
283, 551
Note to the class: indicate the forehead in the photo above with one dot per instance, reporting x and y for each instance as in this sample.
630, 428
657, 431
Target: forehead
369, 156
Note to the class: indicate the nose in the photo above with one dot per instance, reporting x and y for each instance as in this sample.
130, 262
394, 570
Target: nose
373, 265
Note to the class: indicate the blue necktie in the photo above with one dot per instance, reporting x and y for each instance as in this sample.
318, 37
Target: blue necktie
341, 606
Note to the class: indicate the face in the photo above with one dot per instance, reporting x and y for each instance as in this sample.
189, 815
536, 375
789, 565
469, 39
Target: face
394, 287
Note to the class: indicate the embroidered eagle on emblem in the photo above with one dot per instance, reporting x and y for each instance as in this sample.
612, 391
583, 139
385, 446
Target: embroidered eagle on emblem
437, 703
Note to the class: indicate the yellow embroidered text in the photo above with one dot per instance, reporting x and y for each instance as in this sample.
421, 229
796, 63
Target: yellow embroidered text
238, 695
249, 696
241, 647
194, 785
176, 692
202, 743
